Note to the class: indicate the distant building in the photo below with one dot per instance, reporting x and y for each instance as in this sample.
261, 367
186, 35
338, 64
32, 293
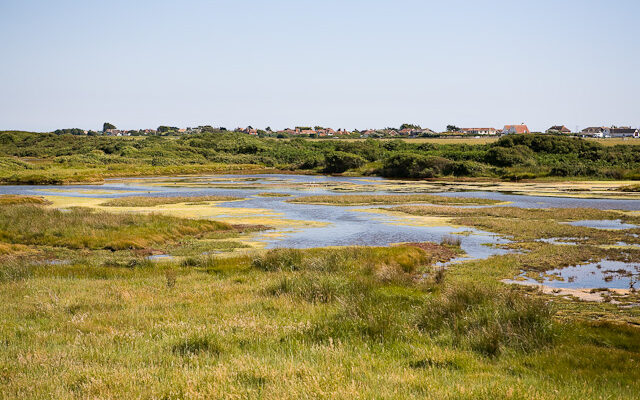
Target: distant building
113, 132
522, 128
624, 132
249, 130
421, 132
558, 129
479, 131
597, 131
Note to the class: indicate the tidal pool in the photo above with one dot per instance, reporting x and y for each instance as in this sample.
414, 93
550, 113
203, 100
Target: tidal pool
333, 225
603, 274
614, 224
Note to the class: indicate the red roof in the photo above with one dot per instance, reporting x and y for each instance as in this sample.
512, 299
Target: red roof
517, 128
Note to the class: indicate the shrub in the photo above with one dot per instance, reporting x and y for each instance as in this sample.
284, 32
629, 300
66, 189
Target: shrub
412, 165
509, 156
339, 161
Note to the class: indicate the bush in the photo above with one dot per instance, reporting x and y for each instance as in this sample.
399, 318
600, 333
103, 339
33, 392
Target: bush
509, 156
339, 161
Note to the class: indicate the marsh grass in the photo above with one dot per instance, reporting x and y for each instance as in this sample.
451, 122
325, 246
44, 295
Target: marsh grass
451, 240
532, 224
355, 322
330, 328
357, 199
150, 201
13, 270
10, 199
86, 229
488, 320
273, 194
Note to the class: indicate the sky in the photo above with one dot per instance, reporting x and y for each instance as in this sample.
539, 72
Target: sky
352, 64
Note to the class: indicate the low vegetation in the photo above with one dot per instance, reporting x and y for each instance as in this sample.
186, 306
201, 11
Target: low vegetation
273, 194
48, 158
104, 321
9, 199
80, 228
358, 199
525, 224
285, 323
630, 188
150, 201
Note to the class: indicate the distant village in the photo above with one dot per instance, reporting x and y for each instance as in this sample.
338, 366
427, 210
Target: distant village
405, 130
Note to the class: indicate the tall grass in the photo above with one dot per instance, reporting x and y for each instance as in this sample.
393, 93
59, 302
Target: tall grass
488, 320
308, 323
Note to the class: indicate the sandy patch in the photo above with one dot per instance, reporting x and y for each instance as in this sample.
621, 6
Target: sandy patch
581, 294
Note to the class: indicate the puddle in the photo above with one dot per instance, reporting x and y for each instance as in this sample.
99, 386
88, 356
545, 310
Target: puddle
603, 274
56, 262
602, 224
560, 241
160, 257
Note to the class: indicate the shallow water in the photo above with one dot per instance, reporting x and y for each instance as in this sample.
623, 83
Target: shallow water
603, 274
160, 257
615, 224
344, 225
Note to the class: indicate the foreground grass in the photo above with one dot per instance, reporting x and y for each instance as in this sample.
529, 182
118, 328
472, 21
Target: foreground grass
357, 199
148, 201
321, 323
356, 322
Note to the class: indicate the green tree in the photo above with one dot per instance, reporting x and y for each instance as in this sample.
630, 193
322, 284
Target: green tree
452, 128
166, 129
409, 126
107, 126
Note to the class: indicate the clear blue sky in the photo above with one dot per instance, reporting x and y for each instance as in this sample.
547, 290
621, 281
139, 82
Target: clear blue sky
345, 64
